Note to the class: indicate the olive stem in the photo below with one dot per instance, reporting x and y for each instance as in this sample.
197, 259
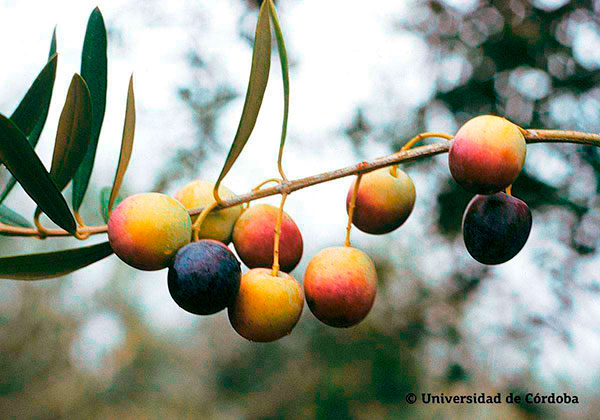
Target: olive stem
78, 218
198, 223
216, 195
265, 182
41, 230
351, 209
277, 236
531, 137
79, 235
286, 85
409, 144
259, 186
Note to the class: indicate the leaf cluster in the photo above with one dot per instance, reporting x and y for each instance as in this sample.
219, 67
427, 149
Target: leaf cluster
73, 158
77, 141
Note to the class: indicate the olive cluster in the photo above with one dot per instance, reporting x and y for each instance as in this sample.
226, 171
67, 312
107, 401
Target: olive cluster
153, 231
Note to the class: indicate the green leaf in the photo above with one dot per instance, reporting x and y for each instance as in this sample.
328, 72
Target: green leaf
7, 188
52, 44
104, 200
259, 75
30, 116
73, 134
52, 264
126, 146
12, 218
21, 160
286, 80
93, 71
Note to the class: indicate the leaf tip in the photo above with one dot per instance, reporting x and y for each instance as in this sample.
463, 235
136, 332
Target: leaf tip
96, 13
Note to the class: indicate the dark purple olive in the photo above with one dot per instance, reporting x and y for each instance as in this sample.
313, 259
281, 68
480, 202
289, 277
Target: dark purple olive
204, 277
495, 227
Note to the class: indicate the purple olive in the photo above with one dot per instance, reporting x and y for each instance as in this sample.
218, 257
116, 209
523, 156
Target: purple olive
204, 277
496, 227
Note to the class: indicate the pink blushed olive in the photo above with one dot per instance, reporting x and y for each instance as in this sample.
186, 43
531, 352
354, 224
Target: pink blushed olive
340, 284
384, 200
254, 236
487, 154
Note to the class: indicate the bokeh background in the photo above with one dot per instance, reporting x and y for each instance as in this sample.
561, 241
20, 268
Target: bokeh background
108, 342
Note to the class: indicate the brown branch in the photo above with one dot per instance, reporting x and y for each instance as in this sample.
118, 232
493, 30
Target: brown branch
531, 136
362, 167
7, 230
561, 136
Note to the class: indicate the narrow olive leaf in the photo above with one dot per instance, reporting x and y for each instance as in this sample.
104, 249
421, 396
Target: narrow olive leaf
52, 264
30, 116
23, 163
7, 188
104, 200
52, 44
93, 71
286, 80
12, 218
259, 75
126, 145
73, 134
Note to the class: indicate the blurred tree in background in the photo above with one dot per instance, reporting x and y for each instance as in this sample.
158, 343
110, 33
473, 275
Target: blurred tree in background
467, 330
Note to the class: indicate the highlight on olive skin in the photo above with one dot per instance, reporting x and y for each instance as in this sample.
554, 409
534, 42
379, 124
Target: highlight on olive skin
204, 277
218, 224
384, 201
146, 230
496, 227
267, 307
340, 284
254, 235
487, 154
